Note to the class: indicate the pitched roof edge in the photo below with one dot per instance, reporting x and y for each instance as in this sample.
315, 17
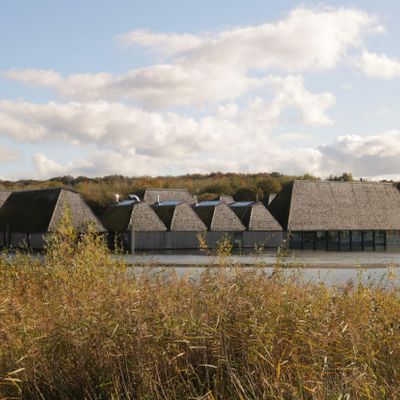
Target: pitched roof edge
173, 217
290, 205
54, 209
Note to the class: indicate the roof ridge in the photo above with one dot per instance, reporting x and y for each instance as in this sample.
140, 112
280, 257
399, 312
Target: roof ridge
166, 189
42, 189
348, 182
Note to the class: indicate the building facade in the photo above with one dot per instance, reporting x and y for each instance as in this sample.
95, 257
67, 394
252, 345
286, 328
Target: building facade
347, 216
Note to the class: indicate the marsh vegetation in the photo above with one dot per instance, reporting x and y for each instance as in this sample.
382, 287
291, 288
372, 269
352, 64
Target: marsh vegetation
78, 326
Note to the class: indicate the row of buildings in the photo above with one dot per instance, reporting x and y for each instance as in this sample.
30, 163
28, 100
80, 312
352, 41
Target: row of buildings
312, 215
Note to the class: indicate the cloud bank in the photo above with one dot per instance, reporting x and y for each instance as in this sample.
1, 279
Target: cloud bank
216, 101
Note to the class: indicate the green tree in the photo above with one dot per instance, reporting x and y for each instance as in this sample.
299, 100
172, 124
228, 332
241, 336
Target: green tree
345, 177
269, 185
248, 193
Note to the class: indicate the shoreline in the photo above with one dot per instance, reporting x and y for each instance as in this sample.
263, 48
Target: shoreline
331, 261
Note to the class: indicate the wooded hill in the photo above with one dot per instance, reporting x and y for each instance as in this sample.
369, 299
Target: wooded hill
99, 192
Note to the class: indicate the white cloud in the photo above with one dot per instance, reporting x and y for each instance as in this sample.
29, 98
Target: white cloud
305, 39
46, 168
119, 126
106, 125
379, 65
211, 68
158, 86
291, 93
246, 84
366, 156
137, 141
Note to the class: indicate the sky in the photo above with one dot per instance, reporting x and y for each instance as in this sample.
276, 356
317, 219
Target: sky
172, 87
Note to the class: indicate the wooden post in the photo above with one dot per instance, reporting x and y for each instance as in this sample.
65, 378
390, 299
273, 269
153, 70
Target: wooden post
132, 240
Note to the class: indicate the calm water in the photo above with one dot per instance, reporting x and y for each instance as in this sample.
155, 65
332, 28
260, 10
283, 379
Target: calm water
331, 268
384, 277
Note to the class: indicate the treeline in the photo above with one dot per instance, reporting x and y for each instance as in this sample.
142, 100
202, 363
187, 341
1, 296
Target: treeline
99, 192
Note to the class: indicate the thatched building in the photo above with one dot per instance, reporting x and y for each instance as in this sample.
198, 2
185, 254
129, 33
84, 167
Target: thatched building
27, 216
262, 229
332, 215
220, 221
121, 218
182, 222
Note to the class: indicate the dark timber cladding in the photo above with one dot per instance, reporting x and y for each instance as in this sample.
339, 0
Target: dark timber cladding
152, 196
339, 215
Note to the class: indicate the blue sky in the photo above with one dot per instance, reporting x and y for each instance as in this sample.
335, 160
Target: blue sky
127, 87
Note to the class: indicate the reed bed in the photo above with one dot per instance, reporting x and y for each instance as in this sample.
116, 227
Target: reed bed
79, 326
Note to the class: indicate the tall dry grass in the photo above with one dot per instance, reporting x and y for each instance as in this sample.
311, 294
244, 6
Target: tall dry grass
79, 326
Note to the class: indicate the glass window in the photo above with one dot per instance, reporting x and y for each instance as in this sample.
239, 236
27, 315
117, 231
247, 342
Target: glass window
308, 240
356, 240
393, 239
320, 240
380, 240
380, 237
333, 240
344, 240
295, 240
368, 240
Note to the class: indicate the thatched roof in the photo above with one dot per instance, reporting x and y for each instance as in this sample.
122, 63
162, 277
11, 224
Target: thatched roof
179, 217
152, 196
322, 205
217, 216
3, 196
41, 210
120, 217
255, 217
225, 198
